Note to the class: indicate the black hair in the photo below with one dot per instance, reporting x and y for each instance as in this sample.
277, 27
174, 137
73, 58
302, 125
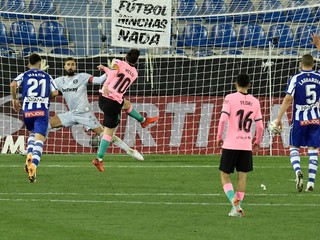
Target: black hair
243, 80
69, 59
132, 56
34, 58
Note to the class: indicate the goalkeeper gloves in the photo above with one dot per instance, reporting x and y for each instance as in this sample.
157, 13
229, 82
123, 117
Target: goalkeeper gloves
44, 66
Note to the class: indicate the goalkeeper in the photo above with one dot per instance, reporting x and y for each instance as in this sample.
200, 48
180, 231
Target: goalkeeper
73, 87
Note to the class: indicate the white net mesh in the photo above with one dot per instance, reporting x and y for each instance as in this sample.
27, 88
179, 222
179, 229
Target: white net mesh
212, 42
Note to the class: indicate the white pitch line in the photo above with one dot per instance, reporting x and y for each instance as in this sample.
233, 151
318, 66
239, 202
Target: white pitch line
140, 166
155, 194
156, 203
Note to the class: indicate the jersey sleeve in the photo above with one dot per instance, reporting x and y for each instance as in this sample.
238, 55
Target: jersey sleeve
85, 78
226, 106
19, 78
291, 86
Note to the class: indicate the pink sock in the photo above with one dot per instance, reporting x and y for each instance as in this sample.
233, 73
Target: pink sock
240, 195
227, 187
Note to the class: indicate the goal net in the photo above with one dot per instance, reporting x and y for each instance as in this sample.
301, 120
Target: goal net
212, 41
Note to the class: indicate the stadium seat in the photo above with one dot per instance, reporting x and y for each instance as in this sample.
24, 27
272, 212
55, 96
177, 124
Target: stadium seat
289, 52
23, 33
188, 8
241, 6
214, 7
303, 35
232, 52
300, 15
62, 51
3, 34
194, 35
51, 33
202, 53
282, 35
224, 35
172, 52
315, 54
16, 6
27, 51
7, 52
252, 35
42, 7
275, 16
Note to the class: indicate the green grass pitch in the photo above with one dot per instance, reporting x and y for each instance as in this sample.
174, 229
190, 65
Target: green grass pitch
166, 197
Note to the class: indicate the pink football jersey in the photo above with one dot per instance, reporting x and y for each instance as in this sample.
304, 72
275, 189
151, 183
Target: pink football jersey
118, 81
241, 110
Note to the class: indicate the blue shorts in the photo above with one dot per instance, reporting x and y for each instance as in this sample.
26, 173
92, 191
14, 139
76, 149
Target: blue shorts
304, 136
37, 121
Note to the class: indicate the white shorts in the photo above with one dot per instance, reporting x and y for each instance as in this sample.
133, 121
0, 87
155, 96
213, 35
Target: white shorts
86, 119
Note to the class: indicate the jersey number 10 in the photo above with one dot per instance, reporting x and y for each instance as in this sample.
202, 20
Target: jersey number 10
122, 84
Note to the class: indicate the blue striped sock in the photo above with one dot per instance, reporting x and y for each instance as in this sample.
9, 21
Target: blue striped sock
313, 164
37, 152
295, 159
30, 143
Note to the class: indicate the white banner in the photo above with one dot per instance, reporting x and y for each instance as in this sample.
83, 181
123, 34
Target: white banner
141, 23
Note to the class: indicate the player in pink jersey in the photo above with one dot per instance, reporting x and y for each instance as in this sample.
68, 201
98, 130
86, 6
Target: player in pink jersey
119, 79
240, 109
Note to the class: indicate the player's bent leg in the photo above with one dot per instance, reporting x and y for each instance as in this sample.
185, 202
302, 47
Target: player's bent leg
29, 151
55, 122
121, 144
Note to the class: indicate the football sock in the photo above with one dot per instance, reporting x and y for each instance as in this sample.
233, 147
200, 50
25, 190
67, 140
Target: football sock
295, 159
119, 143
240, 195
30, 143
104, 144
37, 152
132, 112
228, 190
313, 164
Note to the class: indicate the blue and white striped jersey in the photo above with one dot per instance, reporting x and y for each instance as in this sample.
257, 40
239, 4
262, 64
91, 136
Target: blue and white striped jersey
305, 90
36, 89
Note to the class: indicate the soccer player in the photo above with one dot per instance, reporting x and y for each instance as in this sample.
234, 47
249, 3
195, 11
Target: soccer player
303, 90
37, 89
73, 87
240, 109
119, 79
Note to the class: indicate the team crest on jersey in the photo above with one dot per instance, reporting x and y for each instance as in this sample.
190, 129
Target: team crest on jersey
75, 81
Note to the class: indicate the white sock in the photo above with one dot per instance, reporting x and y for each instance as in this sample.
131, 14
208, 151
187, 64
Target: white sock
119, 143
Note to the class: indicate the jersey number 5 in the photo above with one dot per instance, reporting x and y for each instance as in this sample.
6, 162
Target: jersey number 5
245, 122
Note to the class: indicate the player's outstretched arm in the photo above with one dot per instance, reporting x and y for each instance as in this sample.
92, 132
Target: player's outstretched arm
284, 106
315, 40
13, 90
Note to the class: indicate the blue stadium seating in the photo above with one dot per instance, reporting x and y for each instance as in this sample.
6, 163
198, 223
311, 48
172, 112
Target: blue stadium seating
300, 15
7, 52
194, 35
51, 33
252, 35
16, 6
240, 6
188, 8
62, 51
42, 7
232, 52
289, 52
27, 51
3, 34
178, 52
203, 53
214, 7
23, 33
283, 33
224, 35
274, 16
303, 35
315, 54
